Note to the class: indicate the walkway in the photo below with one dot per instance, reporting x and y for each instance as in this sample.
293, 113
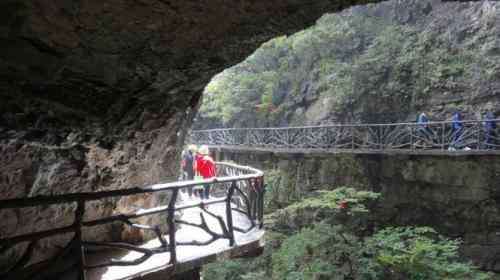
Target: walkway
194, 232
433, 138
189, 256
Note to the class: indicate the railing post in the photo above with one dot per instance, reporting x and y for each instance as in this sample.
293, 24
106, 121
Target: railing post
352, 137
412, 147
443, 133
478, 125
229, 213
241, 138
255, 200
287, 139
379, 138
171, 226
80, 211
262, 191
328, 138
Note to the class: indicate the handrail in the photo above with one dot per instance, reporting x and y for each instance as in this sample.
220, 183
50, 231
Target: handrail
90, 196
471, 134
341, 125
241, 188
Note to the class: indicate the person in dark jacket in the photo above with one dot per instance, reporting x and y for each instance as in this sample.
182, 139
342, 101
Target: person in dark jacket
188, 166
423, 129
489, 129
457, 128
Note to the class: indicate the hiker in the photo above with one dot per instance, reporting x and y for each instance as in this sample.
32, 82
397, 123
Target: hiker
205, 165
188, 166
489, 128
423, 128
457, 128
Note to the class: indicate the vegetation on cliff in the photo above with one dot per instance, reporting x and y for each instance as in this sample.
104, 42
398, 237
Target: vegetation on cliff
376, 63
343, 246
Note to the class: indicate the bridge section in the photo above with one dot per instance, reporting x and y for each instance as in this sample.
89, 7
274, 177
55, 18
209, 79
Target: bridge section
194, 231
470, 137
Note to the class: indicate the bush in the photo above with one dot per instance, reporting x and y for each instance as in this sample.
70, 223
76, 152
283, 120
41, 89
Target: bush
418, 253
335, 250
273, 199
404, 253
321, 252
349, 200
246, 269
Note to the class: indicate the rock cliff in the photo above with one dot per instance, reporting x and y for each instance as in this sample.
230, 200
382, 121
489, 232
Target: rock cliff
382, 62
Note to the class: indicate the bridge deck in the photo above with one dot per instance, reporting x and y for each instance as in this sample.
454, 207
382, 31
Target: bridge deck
189, 257
472, 137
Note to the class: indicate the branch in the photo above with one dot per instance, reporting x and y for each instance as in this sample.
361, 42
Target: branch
155, 229
25, 257
214, 236
204, 226
222, 224
147, 253
240, 230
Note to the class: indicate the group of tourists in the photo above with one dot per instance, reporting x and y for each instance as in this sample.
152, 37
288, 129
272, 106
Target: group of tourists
197, 162
457, 127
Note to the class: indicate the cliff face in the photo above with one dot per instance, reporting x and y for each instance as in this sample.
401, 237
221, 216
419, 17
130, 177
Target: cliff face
382, 62
96, 95
458, 196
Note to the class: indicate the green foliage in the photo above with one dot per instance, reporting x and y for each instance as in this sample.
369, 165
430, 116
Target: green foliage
372, 67
228, 270
347, 199
321, 252
419, 253
329, 252
245, 269
336, 250
254, 276
272, 199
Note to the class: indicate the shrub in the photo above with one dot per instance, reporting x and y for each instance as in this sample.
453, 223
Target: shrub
321, 252
349, 200
418, 253
334, 250
404, 253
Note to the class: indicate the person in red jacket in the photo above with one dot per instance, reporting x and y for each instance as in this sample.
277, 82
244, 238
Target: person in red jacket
205, 166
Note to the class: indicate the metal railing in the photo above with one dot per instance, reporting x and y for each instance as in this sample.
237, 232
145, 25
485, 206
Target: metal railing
240, 188
473, 134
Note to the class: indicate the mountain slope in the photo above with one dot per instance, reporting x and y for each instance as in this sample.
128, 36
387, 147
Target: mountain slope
376, 63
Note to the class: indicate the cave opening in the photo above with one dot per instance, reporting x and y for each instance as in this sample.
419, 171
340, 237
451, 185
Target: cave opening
101, 97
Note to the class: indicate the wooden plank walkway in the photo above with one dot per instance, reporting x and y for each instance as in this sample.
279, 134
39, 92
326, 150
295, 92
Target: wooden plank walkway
188, 257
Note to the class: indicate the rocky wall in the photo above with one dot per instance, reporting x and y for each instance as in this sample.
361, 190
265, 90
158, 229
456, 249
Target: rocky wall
457, 195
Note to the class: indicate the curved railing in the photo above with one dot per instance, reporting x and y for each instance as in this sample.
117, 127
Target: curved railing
239, 188
474, 134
